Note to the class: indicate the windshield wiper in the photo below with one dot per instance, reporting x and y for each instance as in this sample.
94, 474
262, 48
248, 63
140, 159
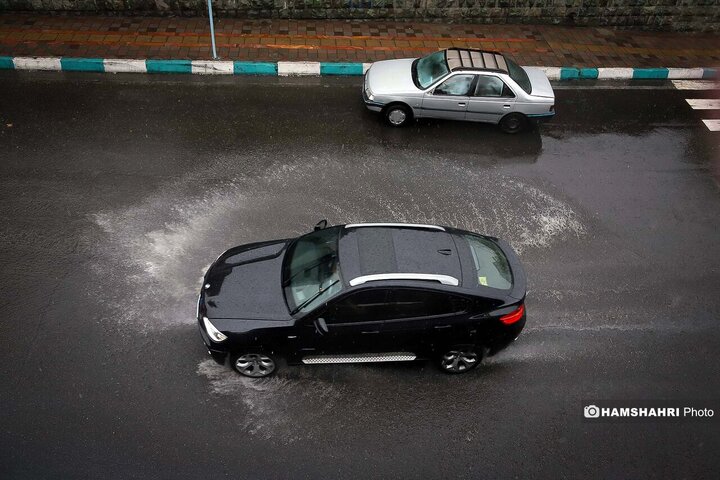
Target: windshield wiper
309, 267
313, 298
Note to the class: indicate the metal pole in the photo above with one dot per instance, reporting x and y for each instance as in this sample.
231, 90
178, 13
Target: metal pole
212, 29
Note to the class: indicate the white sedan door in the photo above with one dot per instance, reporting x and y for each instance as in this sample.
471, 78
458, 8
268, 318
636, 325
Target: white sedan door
491, 100
449, 100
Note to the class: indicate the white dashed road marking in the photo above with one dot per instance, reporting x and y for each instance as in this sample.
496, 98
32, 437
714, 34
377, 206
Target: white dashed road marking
704, 103
701, 103
712, 125
695, 84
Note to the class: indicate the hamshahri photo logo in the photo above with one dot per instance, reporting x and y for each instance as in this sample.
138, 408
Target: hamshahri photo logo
643, 411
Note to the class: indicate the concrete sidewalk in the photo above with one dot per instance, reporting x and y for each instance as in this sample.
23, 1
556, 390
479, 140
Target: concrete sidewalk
345, 41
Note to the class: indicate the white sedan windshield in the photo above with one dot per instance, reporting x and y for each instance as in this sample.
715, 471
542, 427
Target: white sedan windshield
431, 68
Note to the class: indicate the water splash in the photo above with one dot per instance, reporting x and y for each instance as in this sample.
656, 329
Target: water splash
159, 247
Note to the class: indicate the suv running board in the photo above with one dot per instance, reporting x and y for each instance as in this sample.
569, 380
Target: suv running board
360, 358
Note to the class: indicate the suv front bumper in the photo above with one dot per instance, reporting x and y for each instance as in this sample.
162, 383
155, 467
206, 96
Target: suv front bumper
218, 355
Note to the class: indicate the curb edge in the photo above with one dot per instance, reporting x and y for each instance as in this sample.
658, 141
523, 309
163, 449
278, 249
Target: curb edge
237, 67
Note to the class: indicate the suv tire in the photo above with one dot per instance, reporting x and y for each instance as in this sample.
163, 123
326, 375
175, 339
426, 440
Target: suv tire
460, 359
254, 364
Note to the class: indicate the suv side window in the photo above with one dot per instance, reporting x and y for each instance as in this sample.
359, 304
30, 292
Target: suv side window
364, 306
491, 86
459, 86
409, 303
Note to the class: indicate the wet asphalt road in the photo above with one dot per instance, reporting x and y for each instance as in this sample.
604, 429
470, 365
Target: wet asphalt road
117, 192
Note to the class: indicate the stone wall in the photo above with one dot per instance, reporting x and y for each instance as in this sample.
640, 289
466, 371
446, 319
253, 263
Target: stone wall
700, 15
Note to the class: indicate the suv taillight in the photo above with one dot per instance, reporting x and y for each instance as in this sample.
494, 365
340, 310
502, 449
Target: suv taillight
514, 316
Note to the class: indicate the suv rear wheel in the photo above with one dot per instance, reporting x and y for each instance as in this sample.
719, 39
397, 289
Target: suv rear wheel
254, 364
460, 359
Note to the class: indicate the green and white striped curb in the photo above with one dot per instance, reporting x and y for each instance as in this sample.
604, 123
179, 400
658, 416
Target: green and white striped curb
222, 67
614, 73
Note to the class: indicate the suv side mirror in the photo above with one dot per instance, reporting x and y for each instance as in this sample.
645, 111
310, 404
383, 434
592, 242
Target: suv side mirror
322, 224
320, 326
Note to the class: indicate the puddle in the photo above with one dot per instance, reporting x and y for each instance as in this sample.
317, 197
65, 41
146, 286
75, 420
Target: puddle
159, 248
303, 402
271, 403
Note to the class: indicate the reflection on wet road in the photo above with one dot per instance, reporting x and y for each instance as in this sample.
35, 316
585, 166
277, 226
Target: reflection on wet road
119, 192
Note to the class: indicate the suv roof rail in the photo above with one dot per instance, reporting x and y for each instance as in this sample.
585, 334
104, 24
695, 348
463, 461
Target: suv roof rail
444, 279
400, 225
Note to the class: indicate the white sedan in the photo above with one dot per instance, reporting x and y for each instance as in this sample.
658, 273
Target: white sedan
459, 84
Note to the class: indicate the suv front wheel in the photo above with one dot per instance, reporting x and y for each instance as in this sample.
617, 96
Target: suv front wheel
460, 359
254, 364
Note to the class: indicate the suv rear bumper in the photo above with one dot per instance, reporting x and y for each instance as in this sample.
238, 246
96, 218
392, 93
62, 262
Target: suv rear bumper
507, 336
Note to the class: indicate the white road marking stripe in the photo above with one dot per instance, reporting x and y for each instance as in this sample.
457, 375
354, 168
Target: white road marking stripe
703, 103
615, 73
685, 72
37, 63
119, 65
212, 67
695, 84
298, 68
712, 125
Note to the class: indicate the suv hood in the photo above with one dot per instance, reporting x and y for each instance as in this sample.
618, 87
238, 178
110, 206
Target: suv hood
245, 283
540, 84
390, 77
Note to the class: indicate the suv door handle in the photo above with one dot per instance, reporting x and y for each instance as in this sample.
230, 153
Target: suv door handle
461, 104
506, 106
372, 331
440, 327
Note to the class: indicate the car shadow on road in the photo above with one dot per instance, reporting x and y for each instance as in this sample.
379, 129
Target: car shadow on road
453, 137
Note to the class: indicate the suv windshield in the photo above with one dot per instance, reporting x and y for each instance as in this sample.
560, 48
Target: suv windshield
493, 269
310, 273
430, 68
518, 74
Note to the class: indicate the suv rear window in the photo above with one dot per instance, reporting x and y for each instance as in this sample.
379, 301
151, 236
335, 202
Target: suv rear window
491, 264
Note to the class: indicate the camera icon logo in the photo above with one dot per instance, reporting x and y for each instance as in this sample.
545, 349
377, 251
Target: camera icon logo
591, 411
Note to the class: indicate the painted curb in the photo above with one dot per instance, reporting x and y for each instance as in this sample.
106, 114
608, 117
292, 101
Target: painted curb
284, 69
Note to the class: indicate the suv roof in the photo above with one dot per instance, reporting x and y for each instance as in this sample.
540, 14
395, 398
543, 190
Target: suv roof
478, 60
374, 251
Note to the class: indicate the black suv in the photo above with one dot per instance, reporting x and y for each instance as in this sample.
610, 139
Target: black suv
371, 292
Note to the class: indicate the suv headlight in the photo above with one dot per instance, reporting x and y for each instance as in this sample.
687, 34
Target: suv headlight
215, 334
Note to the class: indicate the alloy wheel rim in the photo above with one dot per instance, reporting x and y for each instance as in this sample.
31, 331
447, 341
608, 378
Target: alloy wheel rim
459, 360
397, 116
255, 365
